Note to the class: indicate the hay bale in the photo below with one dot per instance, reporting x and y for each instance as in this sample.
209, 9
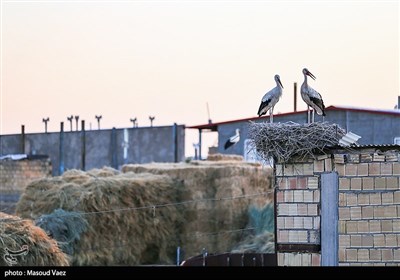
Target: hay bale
24, 244
284, 141
124, 228
224, 157
65, 227
219, 193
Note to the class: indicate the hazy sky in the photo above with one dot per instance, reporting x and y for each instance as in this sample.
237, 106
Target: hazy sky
168, 59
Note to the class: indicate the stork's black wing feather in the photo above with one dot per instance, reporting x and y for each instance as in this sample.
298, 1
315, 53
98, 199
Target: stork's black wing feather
228, 143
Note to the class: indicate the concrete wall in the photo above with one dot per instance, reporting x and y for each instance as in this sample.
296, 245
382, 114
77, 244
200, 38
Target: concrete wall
98, 148
374, 128
367, 210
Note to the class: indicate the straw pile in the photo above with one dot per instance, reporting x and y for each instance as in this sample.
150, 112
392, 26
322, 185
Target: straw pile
224, 157
24, 244
123, 226
217, 196
284, 141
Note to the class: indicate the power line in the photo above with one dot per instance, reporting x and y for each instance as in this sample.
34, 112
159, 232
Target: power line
153, 207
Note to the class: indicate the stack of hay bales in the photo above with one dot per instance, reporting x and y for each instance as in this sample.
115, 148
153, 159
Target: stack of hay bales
143, 213
123, 226
218, 193
24, 244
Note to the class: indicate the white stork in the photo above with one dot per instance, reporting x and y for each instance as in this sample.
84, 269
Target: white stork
311, 97
270, 99
233, 139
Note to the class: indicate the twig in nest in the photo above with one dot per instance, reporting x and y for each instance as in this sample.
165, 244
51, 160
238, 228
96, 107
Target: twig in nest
283, 141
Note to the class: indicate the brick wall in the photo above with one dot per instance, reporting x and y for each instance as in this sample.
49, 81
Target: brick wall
297, 212
368, 208
15, 175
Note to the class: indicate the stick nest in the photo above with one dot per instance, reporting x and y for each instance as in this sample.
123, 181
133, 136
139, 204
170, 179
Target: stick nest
284, 141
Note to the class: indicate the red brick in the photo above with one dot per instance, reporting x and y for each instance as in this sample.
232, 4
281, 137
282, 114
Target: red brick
315, 259
279, 196
302, 209
292, 183
302, 183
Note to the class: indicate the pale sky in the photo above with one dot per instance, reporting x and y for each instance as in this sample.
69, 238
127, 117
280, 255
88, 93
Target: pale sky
169, 59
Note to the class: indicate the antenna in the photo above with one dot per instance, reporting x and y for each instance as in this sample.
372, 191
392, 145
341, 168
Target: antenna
208, 113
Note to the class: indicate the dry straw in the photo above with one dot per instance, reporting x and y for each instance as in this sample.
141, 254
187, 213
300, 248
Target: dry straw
143, 213
24, 244
115, 235
284, 141
223, 177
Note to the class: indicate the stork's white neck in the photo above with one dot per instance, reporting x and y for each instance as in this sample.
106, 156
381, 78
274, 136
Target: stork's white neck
305, 79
